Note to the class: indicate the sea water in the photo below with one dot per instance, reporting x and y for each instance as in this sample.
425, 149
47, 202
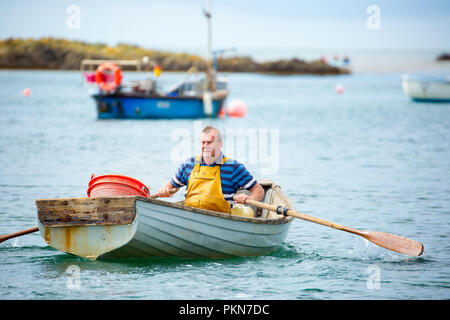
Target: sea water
367, 158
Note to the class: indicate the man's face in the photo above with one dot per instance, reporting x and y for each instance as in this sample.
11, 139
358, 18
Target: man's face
210, 144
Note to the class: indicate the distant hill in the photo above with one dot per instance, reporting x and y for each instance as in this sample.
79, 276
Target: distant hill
444, 57
62, 54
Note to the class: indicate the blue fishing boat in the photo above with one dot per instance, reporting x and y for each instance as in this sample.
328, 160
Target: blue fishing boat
176, 103
199, 98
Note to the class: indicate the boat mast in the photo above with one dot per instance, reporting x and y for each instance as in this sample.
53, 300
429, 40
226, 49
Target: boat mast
211, 86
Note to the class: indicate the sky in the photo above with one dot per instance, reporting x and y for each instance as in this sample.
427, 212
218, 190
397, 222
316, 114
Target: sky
257, 28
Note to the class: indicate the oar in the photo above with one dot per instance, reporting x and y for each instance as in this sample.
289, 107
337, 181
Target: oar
386, 240
172, 192
34, 229
18, 234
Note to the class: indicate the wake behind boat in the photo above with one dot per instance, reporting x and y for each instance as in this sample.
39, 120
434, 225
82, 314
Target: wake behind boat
135, 226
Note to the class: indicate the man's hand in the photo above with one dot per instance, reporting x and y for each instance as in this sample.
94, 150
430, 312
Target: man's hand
257, 193
241, 197
165, 191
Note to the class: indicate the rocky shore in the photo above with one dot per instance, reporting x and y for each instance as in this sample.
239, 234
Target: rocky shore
61, 54
443, 57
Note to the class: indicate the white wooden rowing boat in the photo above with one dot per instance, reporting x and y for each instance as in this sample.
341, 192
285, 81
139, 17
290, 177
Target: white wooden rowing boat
120, 227
426, 88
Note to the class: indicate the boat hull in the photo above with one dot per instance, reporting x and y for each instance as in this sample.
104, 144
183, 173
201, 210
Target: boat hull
87, 241
170, 231
426, 89
155, 107
87, 227
122, 227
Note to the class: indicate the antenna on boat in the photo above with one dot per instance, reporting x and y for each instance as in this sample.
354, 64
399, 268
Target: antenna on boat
209, 67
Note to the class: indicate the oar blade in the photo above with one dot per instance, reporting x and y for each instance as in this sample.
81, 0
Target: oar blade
394, 242
386, 240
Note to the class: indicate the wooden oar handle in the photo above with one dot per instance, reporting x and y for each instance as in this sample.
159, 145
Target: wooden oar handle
18, 234
290, 212
172, 191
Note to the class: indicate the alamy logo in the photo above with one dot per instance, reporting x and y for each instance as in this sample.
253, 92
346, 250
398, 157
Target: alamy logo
373, 281
250, 146
73, 278
74, 19
374, 20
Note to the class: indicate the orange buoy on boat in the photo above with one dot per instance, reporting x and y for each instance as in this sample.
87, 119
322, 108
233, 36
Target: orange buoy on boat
157, 70
26, 92
100, 76
222, 113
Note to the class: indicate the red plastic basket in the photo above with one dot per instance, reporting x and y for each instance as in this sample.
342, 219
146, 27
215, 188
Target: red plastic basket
110, 185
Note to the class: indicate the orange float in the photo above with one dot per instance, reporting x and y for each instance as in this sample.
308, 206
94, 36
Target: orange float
100, 77
157, 70
237, 108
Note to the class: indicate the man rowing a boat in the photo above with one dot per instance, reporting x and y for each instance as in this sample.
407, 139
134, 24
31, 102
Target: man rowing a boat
213, 180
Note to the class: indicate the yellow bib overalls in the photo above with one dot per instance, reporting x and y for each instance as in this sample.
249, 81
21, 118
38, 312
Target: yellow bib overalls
205, 188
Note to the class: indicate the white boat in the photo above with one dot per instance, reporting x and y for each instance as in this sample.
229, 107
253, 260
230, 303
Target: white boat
426, 88
120, 227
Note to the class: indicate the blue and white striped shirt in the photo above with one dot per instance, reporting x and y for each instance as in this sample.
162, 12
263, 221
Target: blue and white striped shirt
233, 176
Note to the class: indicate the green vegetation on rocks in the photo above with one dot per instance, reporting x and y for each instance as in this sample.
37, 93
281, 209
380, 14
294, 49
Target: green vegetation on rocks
62, 54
